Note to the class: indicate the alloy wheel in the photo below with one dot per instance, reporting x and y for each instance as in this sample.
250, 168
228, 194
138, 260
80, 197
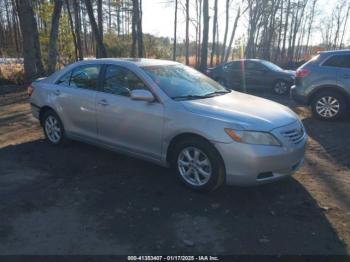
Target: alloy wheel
53, 129
194, 166
280, 88
327, 106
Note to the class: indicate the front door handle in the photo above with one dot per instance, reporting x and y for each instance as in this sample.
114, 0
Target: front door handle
103, 102
346, 76
57, 92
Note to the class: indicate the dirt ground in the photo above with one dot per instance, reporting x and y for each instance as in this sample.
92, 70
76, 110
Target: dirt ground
79, 199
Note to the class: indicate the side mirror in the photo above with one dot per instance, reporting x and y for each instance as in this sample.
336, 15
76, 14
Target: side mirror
142, 95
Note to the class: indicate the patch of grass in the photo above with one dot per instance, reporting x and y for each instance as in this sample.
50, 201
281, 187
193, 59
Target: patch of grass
11, 73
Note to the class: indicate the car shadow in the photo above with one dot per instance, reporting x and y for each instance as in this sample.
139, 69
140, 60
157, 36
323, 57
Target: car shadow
332, 137
79, 199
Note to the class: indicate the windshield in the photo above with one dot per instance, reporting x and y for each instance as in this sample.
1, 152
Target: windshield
271, 66
182, 82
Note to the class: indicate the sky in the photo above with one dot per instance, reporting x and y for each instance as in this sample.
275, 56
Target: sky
158, 18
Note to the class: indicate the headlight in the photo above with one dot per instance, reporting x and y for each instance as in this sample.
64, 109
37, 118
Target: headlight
253, 137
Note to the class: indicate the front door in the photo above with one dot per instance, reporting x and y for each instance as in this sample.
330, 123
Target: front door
135, 126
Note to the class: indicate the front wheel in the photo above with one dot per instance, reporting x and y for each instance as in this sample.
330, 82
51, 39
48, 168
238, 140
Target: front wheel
280, 87
198, 164
328, 106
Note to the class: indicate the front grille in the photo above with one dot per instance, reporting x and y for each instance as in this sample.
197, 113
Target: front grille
295, 136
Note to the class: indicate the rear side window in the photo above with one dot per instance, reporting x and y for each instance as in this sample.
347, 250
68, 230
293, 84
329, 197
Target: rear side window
85, 77
64, 80
342, 61
82, 77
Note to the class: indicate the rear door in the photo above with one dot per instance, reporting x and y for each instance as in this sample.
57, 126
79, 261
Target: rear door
75, 98
232, 74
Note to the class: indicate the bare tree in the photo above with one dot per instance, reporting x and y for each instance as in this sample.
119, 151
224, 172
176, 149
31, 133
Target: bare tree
52, 53
77, 18
228, 50
187, 41
175, 30
215, 21
204, 49
226, 29
100, 50
139, 31
33, 66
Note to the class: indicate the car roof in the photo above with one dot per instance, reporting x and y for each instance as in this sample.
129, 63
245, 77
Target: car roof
334, 52
140, 62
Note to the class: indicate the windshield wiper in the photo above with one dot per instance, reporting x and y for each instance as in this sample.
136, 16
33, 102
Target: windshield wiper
218, 93
190, 97
202, 96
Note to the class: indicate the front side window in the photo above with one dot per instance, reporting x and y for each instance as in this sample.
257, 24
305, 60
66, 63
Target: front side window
121, 81
181, 82
338, 61
85, 77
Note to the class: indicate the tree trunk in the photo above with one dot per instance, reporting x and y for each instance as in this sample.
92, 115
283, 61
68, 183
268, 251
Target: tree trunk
135, 14
285, 31
33, 66
139, 31
215, 21
55, 22
187, 41
99, 22
77, 18
226, 30
204, 49
232, 35
72, 30
101, 50
175, 31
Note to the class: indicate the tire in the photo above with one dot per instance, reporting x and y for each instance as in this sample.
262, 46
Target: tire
281, 87
328, 105
53, 128
207, 161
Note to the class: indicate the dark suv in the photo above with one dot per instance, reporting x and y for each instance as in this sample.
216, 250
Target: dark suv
324, 84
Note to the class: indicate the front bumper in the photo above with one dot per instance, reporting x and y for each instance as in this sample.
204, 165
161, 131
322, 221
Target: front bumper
249, 165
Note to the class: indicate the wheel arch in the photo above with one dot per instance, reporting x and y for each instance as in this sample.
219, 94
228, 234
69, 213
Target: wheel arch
43, 110
330, 88
183, 136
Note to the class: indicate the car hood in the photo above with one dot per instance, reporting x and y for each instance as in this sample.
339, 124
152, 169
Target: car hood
247, 111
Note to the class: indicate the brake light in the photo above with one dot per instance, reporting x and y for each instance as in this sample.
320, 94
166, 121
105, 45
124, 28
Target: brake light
301, 73
30, 90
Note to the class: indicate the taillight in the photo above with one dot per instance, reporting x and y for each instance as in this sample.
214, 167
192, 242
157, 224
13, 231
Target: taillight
301, 73
30, 90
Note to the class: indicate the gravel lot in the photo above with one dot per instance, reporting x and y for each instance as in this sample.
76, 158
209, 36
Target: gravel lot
79, 199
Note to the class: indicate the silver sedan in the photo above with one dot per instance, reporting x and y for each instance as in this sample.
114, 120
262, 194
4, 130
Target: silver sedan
172, 115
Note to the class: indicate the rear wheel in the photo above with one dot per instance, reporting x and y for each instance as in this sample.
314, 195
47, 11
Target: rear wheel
53, 128
328, 105
280, 87
198, 164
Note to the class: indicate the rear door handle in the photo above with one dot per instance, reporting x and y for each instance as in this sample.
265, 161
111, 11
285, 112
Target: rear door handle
103, 102
57, 92
346, 76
